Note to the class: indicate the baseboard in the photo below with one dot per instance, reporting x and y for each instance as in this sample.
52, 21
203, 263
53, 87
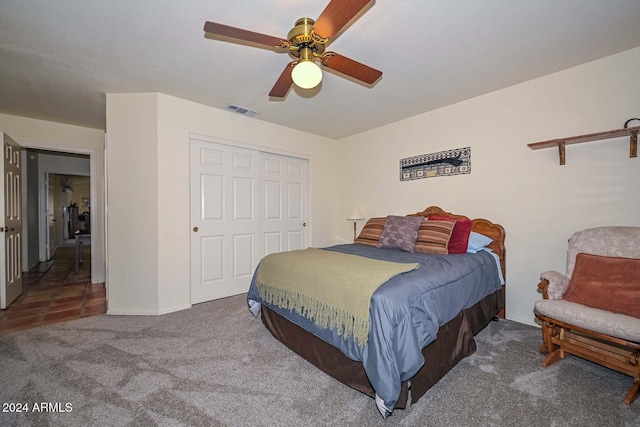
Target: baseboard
341, 241
174, 309
527, 321
147, 312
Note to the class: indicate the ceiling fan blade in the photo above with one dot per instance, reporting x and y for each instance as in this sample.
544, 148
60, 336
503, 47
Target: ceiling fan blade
240, 34
351, 68
284, 83
336, 15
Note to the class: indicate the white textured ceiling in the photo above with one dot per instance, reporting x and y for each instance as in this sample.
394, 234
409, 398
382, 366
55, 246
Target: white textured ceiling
59, 58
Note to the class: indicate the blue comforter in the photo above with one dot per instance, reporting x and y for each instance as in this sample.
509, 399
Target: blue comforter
405, 312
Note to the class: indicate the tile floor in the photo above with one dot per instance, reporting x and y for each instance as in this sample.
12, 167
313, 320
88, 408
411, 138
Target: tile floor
53, 293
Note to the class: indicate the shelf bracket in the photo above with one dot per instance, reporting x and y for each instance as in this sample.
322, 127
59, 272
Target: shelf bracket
561, 152
633, 144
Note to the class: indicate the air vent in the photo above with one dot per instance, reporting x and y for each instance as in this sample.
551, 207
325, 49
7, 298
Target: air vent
241, 110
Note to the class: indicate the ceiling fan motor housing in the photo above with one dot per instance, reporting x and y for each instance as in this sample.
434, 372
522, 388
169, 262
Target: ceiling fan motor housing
300, 38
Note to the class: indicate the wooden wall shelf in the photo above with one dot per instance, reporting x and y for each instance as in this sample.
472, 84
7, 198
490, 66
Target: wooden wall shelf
632, 133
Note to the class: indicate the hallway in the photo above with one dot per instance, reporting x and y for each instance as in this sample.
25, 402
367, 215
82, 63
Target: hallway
53, 293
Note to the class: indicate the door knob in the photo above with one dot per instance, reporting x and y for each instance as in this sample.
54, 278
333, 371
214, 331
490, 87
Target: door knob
195, 229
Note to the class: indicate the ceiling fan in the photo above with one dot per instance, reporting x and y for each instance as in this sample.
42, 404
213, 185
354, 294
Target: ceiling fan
306, 43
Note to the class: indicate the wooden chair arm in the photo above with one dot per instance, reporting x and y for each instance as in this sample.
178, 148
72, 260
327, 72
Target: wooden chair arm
542, 286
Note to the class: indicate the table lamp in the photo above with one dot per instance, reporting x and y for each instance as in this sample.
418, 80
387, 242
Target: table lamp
355, 216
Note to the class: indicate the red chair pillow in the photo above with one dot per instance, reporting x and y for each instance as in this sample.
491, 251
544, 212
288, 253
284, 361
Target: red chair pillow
607, 283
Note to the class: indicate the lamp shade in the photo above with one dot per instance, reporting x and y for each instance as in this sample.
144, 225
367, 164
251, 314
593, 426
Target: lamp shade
355, 215
306, 74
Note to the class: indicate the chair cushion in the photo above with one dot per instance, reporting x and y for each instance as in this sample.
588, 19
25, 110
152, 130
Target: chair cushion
606, 241
607, 283
593, 319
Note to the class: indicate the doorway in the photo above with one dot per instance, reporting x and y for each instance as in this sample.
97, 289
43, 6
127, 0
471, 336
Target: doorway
56, 186
57, 287
44, 173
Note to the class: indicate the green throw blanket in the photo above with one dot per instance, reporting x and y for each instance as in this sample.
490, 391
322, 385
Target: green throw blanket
330, 288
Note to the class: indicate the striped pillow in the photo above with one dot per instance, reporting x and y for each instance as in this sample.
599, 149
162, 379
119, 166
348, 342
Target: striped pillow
434, 235
460, 236
371, 232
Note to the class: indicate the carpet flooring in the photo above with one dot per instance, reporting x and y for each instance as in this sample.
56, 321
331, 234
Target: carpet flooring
216, 365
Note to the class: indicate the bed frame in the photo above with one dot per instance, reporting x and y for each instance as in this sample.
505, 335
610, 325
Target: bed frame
454, 341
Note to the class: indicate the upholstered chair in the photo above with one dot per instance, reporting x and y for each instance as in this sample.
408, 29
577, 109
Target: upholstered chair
593, 311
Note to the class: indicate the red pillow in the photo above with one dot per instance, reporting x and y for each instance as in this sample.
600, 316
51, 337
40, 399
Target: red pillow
460, 235
607, 283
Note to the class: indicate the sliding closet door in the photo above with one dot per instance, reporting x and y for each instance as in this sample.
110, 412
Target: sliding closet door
225, 202
245, 204
284, 195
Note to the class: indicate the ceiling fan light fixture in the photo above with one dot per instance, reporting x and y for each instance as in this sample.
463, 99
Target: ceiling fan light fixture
306, 74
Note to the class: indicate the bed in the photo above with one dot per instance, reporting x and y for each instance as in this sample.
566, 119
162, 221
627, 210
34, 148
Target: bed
409, 348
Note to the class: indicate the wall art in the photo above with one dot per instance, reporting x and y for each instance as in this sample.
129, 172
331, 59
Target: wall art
441, 163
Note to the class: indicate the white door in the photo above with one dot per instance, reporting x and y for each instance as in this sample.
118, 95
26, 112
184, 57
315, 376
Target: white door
11, 223
225, 244
284, 195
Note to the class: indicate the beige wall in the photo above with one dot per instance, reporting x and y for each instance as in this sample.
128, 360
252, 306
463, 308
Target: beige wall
539, 202
46, 135
132, 199
134, 119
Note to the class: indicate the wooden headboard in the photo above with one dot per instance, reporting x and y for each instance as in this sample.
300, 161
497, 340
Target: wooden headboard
480, 225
